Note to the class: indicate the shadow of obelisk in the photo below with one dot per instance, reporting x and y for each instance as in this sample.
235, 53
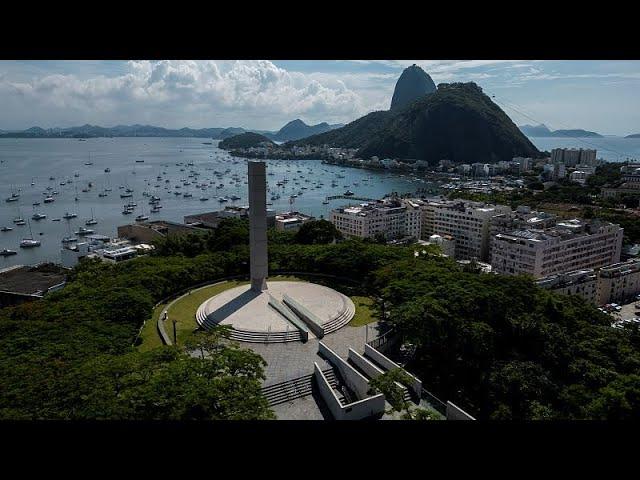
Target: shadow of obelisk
259, 263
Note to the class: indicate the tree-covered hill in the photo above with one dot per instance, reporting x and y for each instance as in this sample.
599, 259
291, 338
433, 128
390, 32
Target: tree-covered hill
458, 122
244, 140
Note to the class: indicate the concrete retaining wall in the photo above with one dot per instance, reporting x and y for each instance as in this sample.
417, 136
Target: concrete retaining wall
363, 364
456, 413
327, 393
354, 379
369, 368
365, 408
305, 315
388, 364
290, 316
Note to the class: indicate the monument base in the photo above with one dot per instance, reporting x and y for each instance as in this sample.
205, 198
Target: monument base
259, 284
252, 319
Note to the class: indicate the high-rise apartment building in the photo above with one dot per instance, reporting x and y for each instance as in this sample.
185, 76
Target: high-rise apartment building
567, 246
573, 156
468, 223
392, 218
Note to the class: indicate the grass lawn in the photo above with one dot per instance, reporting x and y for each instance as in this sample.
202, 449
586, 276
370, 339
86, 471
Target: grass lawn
364, 312
149, 335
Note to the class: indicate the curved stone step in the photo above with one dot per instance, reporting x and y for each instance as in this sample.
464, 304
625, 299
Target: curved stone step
279, 337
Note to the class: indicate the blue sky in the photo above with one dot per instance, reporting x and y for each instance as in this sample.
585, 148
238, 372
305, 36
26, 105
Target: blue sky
603, 96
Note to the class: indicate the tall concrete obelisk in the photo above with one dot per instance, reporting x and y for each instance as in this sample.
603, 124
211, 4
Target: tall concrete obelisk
259, 263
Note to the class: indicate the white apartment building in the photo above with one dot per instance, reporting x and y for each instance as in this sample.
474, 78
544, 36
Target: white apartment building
581, 282
568, 246
468, 223
392, 218
619, 282
630, 182
446, 244
580, 176
525, 163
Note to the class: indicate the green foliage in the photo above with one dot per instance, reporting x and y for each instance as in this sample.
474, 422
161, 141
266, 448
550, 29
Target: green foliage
70, 356
317, 232
244, 140
504, 348
390, 384
166, 384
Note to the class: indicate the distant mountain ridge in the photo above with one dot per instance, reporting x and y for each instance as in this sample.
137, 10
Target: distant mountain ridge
297, 129
543, 131
457, 122
291, 131
633, 135
92, 131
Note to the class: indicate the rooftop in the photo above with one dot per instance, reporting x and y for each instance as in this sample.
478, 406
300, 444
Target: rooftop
28, 280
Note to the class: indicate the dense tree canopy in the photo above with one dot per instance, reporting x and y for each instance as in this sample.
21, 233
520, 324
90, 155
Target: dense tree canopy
317, 232
506, 349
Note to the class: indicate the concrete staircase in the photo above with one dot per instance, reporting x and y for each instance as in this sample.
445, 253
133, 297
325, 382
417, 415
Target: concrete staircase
342, 319
290, 390
238, 335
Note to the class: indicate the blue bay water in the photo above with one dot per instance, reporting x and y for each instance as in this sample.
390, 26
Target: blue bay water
27, 160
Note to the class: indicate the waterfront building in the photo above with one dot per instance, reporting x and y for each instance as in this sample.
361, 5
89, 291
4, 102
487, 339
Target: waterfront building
103, 248
212, 219
567, 246
291, 221
393, 218
147, 232
22, 283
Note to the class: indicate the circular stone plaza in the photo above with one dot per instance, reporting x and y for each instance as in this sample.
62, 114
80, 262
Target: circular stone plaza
285, 311
280, 311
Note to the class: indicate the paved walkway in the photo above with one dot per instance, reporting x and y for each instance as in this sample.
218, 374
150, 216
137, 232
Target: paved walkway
289, 360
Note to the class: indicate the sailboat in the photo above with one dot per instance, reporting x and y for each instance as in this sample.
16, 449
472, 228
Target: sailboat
92, 221
142, 217
29, 242
14, 196
69, 238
